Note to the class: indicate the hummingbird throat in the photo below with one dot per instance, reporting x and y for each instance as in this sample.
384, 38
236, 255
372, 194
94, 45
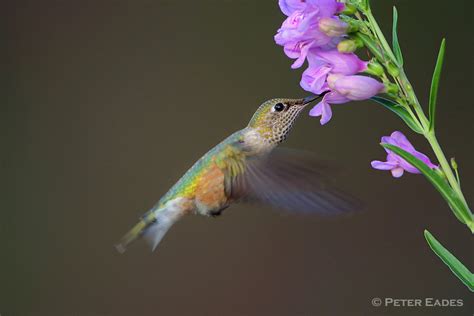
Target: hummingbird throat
276, 127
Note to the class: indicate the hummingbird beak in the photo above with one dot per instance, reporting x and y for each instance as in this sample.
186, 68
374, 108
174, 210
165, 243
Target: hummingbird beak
312, 98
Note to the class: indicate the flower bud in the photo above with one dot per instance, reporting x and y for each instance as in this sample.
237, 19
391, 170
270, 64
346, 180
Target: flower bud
348, 46
374, 68
393, 70
333, 27
454, 164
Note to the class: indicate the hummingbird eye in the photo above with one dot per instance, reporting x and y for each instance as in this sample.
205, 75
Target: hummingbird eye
279, 107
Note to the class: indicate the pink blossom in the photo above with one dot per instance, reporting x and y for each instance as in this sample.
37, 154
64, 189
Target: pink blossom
323, 108
312, 31
300, 31
396, 164
290, 6
344, 89
325, 62
355, 88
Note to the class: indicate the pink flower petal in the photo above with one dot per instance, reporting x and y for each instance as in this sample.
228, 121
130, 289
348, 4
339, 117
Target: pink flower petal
401, 141
326, 113
335, 98
302, 57
314, 79
358, 87
317, 110
398, 139
322, 109
380, 165
324, 7
397, 172
290, 6
341, 63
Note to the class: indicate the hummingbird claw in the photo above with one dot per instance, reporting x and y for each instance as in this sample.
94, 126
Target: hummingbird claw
215, 213
218, 212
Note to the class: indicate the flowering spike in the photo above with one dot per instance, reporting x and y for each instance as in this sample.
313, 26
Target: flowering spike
314, 31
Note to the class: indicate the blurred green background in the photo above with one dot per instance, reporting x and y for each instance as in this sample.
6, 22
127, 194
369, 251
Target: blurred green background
107, 103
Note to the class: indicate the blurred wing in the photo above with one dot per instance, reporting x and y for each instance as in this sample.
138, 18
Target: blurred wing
294, 181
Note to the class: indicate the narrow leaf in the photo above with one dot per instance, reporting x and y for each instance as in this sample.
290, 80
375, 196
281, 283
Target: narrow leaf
451, 261
396, 46
435, 84
457, 206
400, 111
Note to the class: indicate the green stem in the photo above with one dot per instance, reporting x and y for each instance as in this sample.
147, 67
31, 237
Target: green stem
413, 100
407, 89
431, 137
379, 34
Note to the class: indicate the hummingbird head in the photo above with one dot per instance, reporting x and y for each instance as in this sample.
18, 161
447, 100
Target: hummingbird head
274, 118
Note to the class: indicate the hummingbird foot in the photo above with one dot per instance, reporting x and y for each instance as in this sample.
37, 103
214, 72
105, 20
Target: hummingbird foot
218, 212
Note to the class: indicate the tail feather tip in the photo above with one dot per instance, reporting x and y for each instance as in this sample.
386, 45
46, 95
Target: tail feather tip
120, 248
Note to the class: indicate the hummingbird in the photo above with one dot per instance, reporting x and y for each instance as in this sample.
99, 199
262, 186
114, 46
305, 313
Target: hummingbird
247, 167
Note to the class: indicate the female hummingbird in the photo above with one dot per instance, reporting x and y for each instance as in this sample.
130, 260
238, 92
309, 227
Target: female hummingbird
246, 167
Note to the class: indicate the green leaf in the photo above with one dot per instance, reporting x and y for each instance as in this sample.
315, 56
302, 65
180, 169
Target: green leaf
400, 111
457, 206
396, 46
435, 83
451, 261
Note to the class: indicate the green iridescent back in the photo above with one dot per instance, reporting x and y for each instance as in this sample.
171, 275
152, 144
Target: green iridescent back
186, 185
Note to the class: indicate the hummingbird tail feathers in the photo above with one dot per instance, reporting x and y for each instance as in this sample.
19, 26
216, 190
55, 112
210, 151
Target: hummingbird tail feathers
153, 226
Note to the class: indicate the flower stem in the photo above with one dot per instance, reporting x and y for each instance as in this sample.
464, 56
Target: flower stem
407, 90
431, 137
379, 34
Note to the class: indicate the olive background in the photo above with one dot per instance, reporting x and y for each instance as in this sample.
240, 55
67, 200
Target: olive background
107, 103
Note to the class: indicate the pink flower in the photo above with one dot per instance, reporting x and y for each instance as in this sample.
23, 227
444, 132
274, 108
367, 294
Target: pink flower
290, 6
323, 108
355, 88
301, 31
396, 164
325, 62
312, 31
330, 70
327, 7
